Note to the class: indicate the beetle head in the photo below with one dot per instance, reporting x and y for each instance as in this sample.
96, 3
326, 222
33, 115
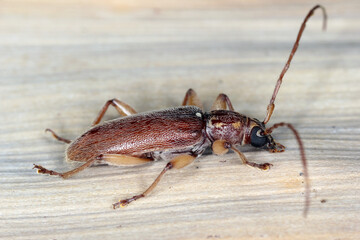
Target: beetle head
260, 138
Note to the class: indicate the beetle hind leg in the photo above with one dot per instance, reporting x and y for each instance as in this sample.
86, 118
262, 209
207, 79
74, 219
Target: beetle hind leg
119, 159
192, 99
42, 170
177, 163
61, 139
123, 109
222, 102
114, 159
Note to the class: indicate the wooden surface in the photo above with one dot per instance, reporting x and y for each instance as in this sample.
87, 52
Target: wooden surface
61, 60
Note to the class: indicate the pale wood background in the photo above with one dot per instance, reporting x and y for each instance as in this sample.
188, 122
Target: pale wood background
61, 60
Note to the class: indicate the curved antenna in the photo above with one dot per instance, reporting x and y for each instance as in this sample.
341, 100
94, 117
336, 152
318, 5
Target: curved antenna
271, 106
303, 160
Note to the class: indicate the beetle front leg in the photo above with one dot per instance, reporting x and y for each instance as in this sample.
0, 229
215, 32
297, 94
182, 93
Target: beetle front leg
177, 163
220, 147
262, 166
192, 99
121, 107
222, 102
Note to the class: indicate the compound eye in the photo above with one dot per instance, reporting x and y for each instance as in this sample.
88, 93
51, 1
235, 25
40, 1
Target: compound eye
257, 139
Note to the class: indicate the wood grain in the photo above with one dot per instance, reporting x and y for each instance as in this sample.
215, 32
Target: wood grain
62, 60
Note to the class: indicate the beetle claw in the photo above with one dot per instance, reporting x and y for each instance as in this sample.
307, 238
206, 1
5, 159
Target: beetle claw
115, 205
265, 166
120, 203
40, 169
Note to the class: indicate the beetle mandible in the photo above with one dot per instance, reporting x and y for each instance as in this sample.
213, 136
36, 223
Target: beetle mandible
178, 135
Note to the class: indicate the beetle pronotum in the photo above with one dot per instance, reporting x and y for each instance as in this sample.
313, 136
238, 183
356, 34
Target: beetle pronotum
179, 134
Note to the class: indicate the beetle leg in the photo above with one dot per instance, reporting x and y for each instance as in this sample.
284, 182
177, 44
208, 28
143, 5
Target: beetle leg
220, 147
121, 107
222, 102
119, 159
57, 137
115, 159
64, 175
177, 163
192, 99
262, 166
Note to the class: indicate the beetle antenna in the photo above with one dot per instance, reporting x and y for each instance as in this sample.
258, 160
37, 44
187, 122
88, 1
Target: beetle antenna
271, 106
303, 160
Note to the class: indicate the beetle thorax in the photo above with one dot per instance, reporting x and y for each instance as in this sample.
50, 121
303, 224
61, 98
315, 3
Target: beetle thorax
226, 125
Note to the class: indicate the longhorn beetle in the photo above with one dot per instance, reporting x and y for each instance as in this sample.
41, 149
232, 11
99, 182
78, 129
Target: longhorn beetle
179, 135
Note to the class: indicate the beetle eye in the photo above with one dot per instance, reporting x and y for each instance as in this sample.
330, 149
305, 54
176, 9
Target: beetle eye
257, 139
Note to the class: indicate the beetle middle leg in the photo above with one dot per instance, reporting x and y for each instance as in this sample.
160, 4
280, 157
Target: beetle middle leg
222, 102
123, 108
177, 163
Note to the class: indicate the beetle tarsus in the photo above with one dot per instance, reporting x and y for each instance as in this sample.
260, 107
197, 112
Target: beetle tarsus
125, 202
42, 170
116, 205
263, 166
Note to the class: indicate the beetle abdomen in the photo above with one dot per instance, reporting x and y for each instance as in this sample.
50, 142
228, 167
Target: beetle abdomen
174, 128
